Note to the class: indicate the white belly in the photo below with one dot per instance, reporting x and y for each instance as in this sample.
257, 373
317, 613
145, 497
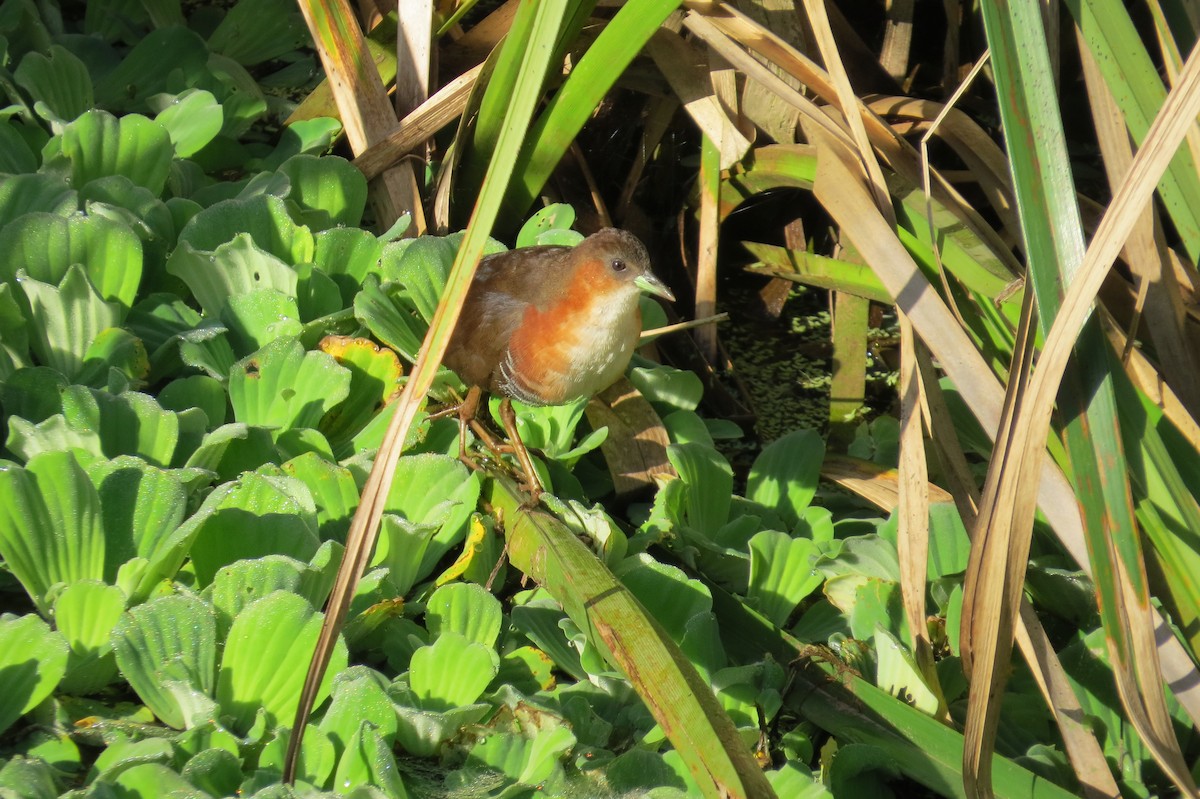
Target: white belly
601, 357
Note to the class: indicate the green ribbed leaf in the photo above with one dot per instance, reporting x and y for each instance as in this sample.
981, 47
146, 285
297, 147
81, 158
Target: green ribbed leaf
26, 194
46, 245
434, 490
451, 672
283, 386
66, 319
192, 120
329, 189
467, 609
114, 350
16, 157
50, 524
374, 382
550, 225
217, 772
167, 649
59, 80
781, 573
388, 319
368, 760
709, 481
421, 266
33, 658
279, 629
784, 476
33, 393
244, 36
143, 72
143, 508
97, 145
86, 613
260, 316
129, 424
264, 218
14, 337
149, 780
245, 581
359, 696
526, 760
677, 599
347, 255
197, 391
333, 489
231, 270
104, 424
259, 514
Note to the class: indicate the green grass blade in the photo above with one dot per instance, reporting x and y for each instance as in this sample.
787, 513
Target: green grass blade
853, 710
500, 86
1054, 247
1167, 510
536, 54
1135, 84
507, 78
679, 698
616, 46
817, 270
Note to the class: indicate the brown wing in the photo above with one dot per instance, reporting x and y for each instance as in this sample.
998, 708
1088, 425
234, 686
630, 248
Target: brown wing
505, 285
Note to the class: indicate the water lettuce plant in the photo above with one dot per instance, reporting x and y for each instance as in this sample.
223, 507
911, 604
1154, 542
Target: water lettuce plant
207, 322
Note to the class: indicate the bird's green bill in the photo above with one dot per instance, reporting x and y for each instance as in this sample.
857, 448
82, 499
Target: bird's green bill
649, 283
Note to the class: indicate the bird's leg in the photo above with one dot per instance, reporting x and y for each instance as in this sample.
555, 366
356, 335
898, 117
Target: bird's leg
483, 434
466, 416
468, 412
533, 483
489, 441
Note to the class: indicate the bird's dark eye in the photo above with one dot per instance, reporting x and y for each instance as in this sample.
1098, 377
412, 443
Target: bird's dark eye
618, 265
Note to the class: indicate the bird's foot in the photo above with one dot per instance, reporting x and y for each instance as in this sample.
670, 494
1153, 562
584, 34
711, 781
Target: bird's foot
532, 482
534, 497
469, 461
467, 411
443, 412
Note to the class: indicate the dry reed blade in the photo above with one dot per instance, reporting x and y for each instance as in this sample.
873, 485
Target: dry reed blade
882, 487
851, 319
706, 249
723, 43
1149, 380
362, 102
1083, 750
955, 469
995, 574
912, 536
844, 196
727, 30
544, 20
897, 39
1145, 250
849, 104
1029, 427
445, 106
981, 155
681, 65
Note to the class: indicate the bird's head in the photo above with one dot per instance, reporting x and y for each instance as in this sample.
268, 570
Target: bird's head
616, 261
